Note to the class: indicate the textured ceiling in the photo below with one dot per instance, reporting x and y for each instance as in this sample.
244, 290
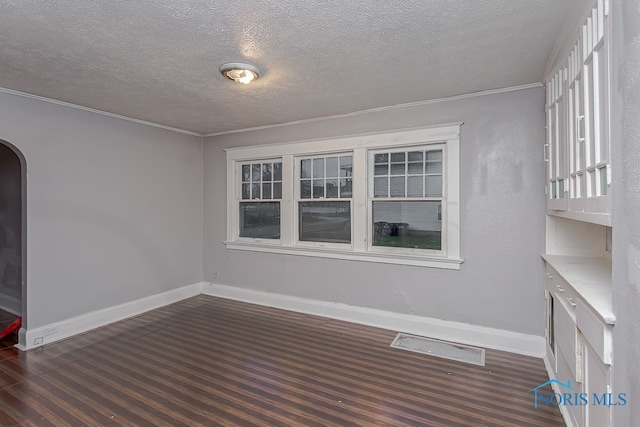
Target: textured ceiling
157, 60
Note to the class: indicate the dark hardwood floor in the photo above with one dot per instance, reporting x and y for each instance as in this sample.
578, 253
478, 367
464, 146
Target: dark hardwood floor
212, 362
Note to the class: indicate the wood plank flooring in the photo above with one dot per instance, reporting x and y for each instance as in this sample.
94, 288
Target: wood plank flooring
207, 361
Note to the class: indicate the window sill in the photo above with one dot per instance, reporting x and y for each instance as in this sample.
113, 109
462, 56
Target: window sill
419, 261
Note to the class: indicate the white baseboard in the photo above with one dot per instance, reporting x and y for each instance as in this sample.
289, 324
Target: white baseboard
32, 338
530, 345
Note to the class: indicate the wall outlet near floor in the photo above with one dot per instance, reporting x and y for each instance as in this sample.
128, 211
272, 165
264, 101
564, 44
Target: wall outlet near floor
50, 331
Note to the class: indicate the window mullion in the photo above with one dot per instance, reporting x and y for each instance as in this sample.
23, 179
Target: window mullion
359, 200
288, 205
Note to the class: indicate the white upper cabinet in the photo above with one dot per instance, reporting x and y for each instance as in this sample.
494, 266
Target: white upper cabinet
577, 150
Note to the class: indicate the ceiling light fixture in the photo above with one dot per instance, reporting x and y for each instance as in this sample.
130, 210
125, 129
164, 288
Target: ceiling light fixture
240, 73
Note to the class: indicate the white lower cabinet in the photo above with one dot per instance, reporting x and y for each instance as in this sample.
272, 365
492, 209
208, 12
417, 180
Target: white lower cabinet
579, 352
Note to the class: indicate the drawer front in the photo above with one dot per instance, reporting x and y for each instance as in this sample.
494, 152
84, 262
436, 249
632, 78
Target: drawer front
561, 288
595, 331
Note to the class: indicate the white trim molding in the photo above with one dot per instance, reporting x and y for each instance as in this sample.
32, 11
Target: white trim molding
93, 110
379, 109
36, 337
480, 336
418, 261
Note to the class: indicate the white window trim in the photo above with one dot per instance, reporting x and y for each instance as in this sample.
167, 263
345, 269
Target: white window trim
238, 190
297, 199
447, 134
370, 199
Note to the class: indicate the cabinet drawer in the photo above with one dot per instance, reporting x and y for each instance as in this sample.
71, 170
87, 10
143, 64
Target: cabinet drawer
595, 331
563, 291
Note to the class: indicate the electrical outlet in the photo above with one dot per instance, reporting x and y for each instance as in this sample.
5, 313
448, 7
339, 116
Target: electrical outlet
38, 340
50, 331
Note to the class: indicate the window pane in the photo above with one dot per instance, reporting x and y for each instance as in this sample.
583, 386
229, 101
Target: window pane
381, 158
255, 172
433, 186
277, 171
318, 168
397, 157
434, 155
346, 165
277, 190
397, 186
266, 191
415, 156
260, 220
345, 188
416, 168
381, 169
318, 188
332, 187
414, 186
434, 167
603, 181
332, 167
381, 187
246, 173
397, 169
246, 191
305, 169
255, 191
413, 224
305, 189
266, 171
325, 222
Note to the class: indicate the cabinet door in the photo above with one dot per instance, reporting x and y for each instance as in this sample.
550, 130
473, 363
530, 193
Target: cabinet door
563, 374
595, 96
556, 146
596, 381
566, 337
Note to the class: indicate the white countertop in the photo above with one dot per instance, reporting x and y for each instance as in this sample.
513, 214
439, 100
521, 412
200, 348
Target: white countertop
591, 278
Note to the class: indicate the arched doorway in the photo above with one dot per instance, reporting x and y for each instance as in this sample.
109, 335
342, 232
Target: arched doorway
12, 237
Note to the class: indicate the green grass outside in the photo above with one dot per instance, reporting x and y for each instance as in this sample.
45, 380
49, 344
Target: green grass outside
414, 242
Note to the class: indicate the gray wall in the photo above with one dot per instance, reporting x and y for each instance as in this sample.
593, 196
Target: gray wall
10, 229
502, 217
114, 208
626, 207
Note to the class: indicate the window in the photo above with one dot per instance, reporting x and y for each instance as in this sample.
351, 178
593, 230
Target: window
406, 199
389, 197
324, 204
259, 205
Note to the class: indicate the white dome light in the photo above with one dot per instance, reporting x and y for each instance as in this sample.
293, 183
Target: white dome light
240, 73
